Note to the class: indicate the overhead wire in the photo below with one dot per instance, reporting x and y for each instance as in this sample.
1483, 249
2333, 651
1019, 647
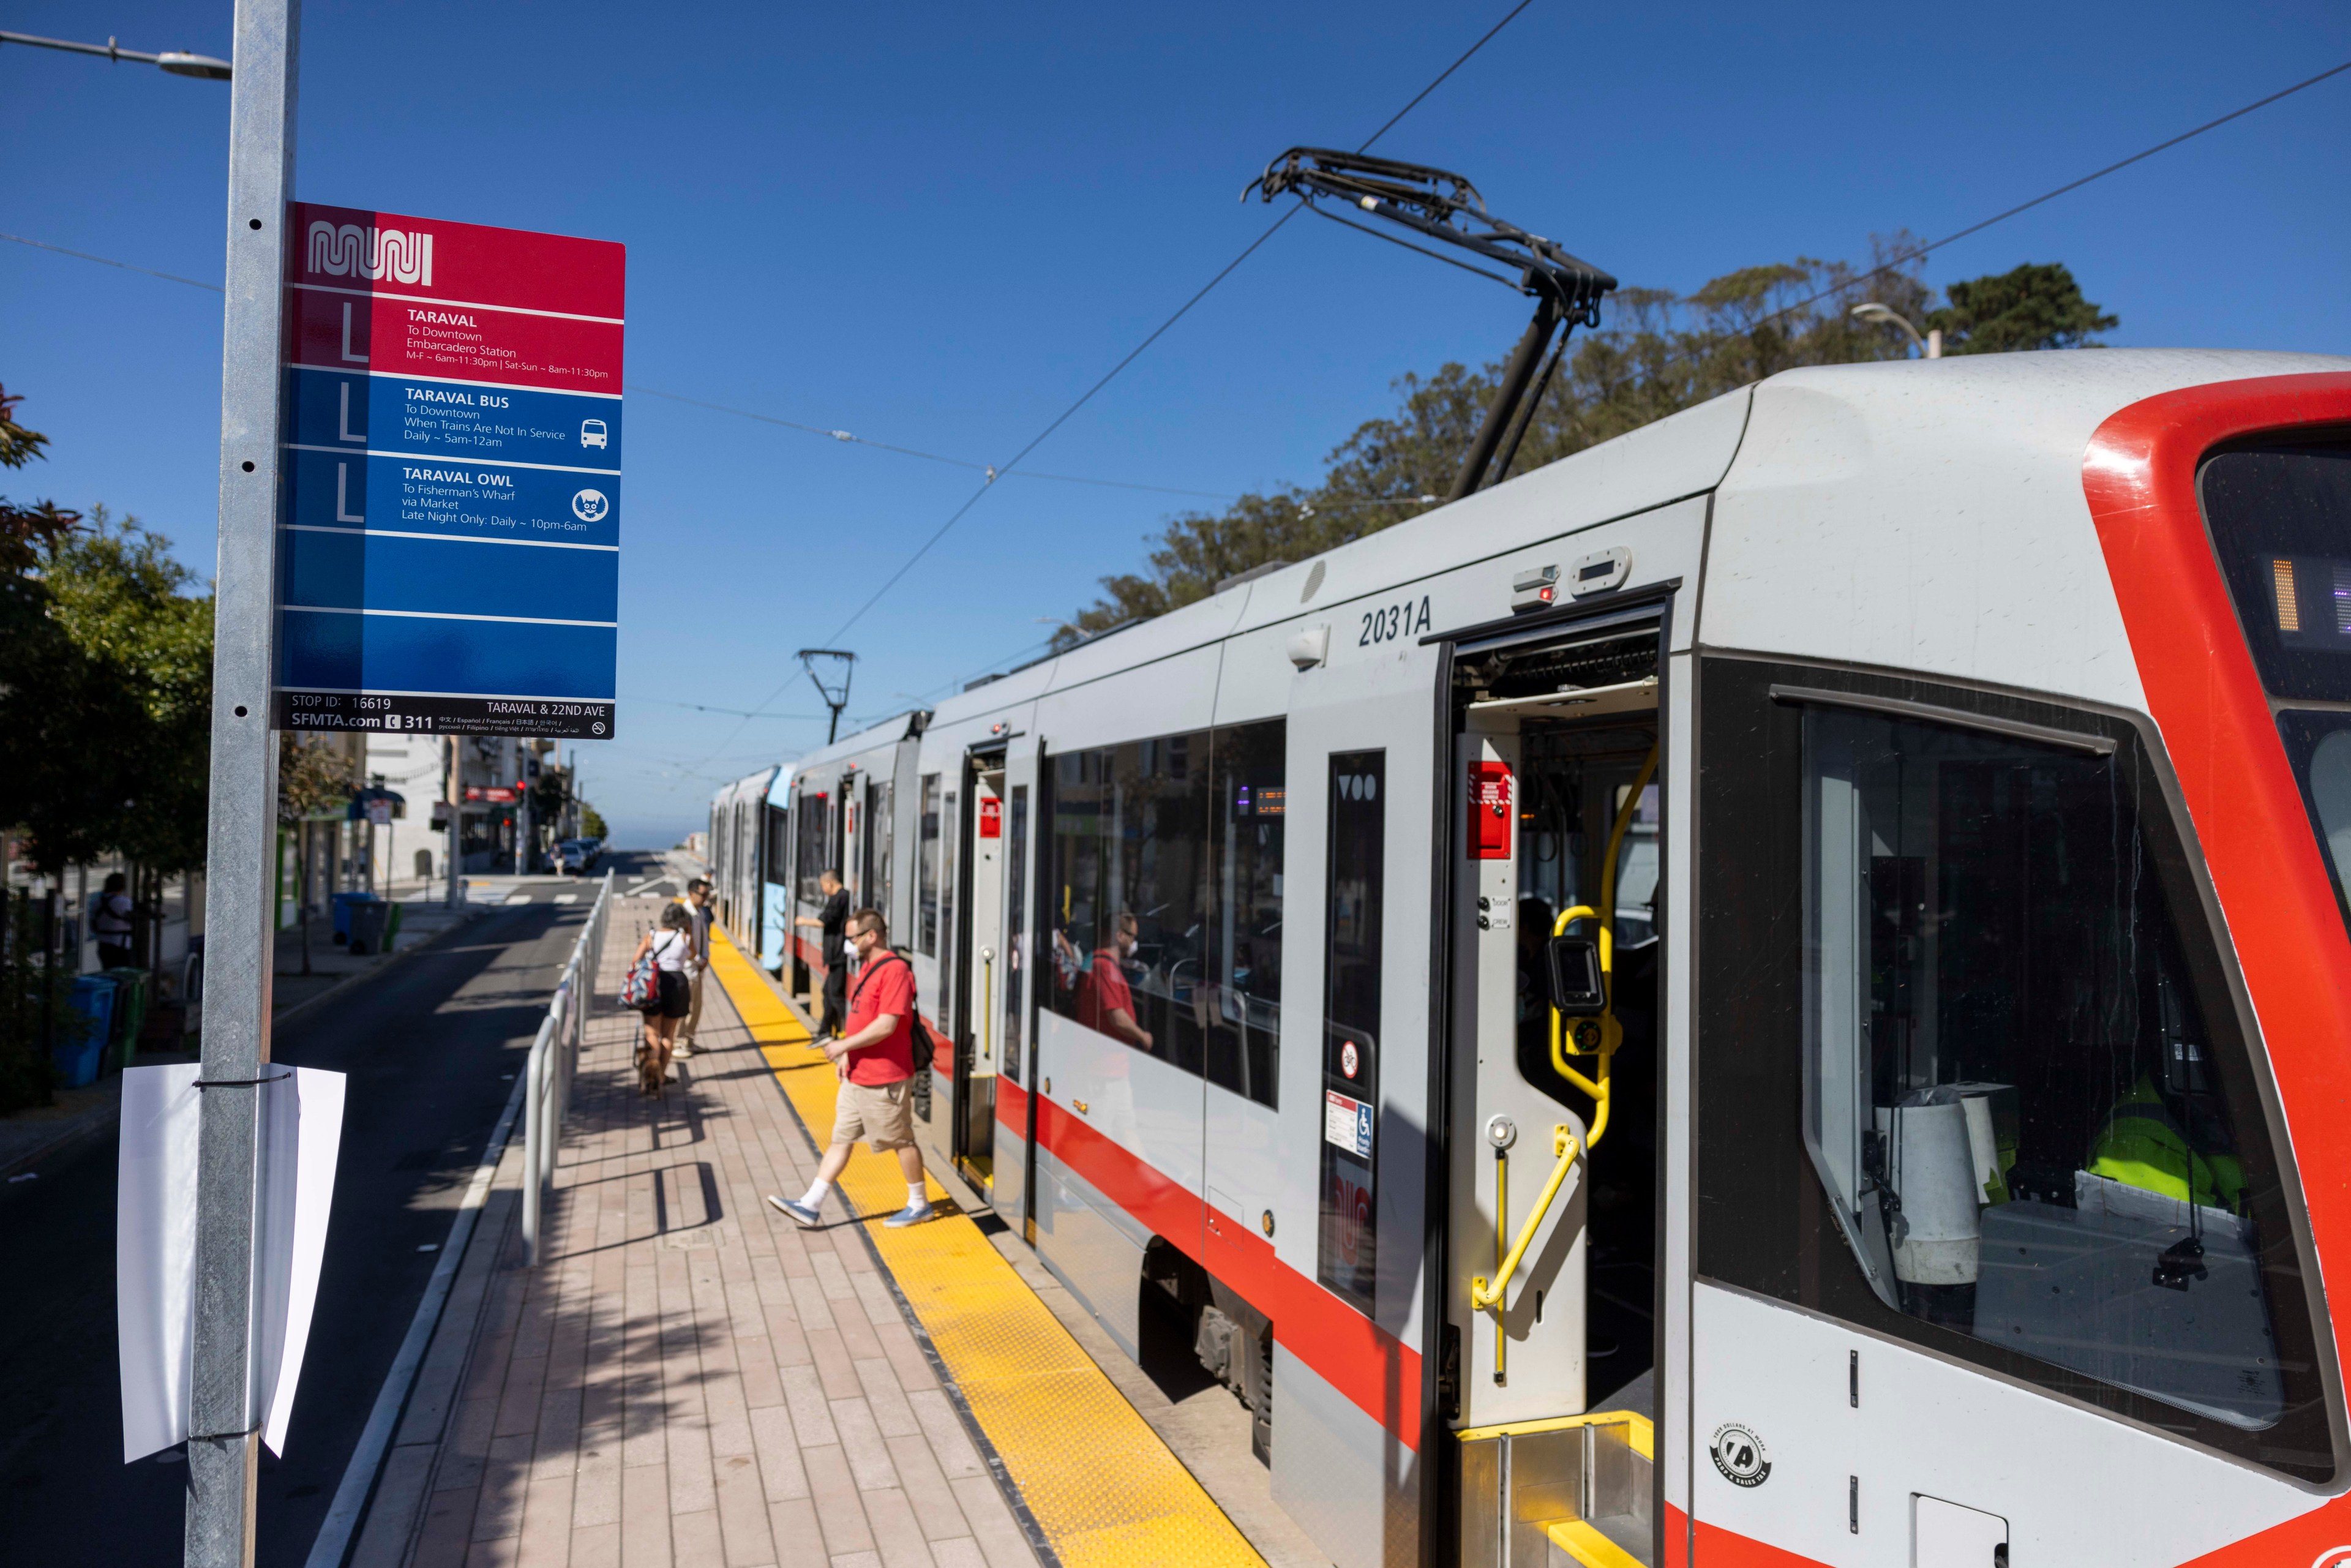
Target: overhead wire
1908, 257
1133, 354
847, 437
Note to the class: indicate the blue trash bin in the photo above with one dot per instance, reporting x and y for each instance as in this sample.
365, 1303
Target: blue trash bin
341, 904
92, 1005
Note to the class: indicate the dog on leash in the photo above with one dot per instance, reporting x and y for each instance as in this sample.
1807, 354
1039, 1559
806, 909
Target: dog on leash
651, 1080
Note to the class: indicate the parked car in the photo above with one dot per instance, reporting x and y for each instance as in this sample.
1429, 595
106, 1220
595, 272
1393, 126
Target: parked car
570, 857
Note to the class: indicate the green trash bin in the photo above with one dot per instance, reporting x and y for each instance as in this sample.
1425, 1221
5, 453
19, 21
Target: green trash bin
129, 1013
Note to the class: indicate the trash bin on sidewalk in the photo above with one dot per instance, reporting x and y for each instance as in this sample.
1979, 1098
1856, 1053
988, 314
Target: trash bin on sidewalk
129, 1013
76, 1059
370, 919
342, 903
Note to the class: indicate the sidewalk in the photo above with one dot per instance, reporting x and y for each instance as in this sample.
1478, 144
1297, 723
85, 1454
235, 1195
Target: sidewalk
688, 1377
33, 1133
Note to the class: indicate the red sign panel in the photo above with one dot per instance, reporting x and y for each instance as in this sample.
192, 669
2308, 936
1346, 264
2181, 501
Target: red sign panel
991, 818
497, 794
381, 292
1490, 811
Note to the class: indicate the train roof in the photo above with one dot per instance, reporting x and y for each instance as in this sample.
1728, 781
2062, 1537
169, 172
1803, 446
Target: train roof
890, 731
1949, 438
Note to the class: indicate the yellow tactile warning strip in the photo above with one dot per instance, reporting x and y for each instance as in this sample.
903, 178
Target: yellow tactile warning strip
1101, 1487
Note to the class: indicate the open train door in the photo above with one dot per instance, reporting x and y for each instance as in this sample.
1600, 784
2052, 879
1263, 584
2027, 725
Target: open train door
1015, 1133
1558, 942
977, 1026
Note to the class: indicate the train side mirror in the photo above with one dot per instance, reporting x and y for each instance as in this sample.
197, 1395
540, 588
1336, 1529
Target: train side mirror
1577, 990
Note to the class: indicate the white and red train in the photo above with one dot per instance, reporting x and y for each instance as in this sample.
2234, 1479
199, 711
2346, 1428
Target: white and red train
1951, 764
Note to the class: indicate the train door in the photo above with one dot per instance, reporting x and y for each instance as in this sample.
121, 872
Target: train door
979, 953
1015, 1110
1549, 1373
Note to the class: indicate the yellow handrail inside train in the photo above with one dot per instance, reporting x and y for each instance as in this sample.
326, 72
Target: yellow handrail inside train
1610, 1032
1484, 1294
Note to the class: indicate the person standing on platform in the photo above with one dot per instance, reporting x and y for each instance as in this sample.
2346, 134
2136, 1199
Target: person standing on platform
831, 921
698, 905
875, 1059
109, 922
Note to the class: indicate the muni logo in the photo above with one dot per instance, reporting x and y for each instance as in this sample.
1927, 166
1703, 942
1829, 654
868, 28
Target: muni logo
351, 251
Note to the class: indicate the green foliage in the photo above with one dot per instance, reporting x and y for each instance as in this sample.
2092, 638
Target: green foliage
1660, 353
592, 821
2038, 306
314, 777
105, 697
25, 531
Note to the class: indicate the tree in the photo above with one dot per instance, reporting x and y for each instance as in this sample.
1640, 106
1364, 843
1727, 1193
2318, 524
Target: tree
592, 821
314, 780
2037, 305
1660, 355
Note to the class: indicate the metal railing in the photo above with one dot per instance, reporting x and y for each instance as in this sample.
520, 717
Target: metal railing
554, 1060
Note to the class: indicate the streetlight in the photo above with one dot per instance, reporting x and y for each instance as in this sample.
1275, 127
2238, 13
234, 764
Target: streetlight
179, 62
1930, 346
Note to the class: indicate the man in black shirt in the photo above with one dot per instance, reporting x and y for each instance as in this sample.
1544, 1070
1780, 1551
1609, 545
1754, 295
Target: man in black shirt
831, 921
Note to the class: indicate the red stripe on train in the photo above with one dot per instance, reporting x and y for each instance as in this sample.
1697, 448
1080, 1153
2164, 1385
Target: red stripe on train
2139, 474
1375, 1371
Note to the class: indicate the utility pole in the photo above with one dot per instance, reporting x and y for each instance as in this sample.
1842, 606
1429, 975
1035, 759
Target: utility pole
224, 1413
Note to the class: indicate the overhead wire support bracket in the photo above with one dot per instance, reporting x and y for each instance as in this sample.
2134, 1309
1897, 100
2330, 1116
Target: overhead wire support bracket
1441, 206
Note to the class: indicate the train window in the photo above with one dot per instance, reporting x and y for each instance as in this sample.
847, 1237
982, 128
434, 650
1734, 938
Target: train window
1345, 1259
2281, 521
1243, 961
812, 810
1970, 1073
926, 868
1016, 933
947, 874
879, 823
2010, 1096
1129, 842
779, 849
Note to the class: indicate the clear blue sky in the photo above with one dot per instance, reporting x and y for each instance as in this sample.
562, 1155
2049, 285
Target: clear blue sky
934, 226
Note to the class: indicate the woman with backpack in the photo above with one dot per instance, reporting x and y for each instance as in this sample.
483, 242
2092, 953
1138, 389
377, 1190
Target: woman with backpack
669, 950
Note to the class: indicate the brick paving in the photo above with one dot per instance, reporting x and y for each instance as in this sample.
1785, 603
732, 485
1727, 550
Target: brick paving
688, 1377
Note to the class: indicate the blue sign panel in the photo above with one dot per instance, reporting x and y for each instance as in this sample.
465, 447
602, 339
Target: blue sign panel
449, 545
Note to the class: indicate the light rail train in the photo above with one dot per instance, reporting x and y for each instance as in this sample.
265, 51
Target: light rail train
1777, 991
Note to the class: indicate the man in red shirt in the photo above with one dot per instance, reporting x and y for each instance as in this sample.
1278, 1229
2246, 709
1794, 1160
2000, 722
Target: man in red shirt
1105, 1001
875, 1059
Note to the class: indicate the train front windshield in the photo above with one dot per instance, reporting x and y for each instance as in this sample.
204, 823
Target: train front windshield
2281, 521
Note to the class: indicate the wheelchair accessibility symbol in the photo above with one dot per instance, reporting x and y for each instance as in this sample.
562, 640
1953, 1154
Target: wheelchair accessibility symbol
590, 505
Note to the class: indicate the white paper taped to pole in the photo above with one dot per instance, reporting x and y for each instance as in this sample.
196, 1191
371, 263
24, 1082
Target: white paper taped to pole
155, 1242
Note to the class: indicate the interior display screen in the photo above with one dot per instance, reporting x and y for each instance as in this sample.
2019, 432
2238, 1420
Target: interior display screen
2310, 601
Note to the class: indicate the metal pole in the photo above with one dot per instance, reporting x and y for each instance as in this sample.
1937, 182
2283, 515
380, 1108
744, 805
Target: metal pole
1513, 385
224, 1411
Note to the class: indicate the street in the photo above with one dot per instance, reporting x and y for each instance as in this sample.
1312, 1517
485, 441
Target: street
433, 1044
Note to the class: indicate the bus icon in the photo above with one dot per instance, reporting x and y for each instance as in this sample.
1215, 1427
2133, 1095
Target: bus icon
592, 433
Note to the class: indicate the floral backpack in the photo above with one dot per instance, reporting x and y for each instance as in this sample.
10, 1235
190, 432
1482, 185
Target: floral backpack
642, 989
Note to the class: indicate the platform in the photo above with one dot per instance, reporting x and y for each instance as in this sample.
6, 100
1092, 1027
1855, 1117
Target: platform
691, 1379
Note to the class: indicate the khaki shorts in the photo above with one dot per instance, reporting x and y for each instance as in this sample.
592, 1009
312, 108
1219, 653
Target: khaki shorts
881, 1113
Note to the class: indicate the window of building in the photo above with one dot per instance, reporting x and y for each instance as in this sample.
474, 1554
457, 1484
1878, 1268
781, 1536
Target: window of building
1970, 1073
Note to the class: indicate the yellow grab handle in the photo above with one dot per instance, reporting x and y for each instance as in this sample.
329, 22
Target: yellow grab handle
1483, 1294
